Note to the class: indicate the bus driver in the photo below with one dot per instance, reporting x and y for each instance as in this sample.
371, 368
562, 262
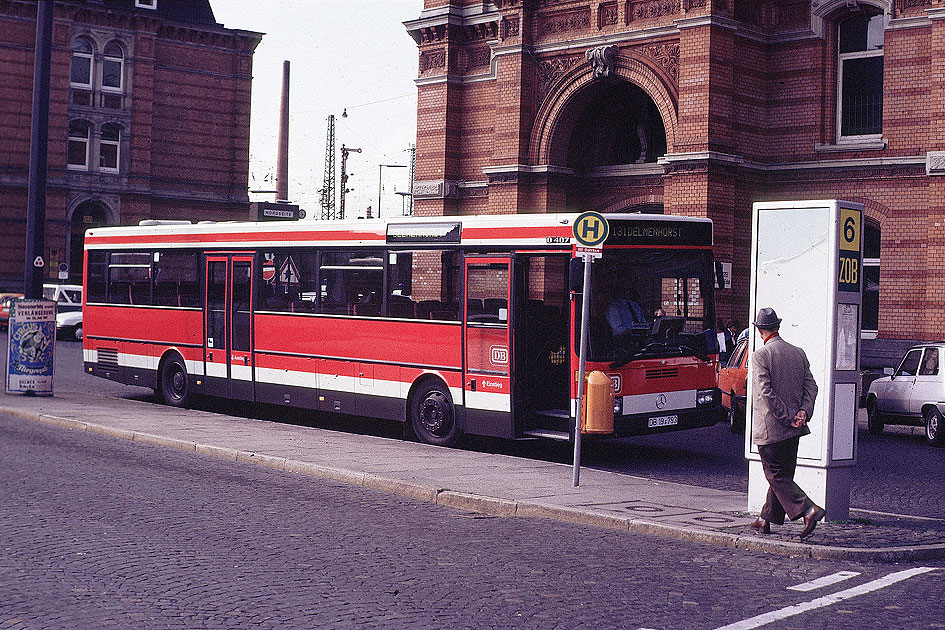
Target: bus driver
624, 313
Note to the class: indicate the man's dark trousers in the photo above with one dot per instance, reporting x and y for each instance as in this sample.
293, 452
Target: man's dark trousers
779, 461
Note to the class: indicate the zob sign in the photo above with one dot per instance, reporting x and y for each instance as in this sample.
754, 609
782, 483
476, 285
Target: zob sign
848, 246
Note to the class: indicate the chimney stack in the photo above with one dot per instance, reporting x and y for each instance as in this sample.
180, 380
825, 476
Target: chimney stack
282, 162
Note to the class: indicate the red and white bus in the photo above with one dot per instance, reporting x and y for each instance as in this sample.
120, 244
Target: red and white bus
451, 325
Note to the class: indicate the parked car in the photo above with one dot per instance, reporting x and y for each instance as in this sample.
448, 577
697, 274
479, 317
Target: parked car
913, 394
68, 299
733, 381
6, 299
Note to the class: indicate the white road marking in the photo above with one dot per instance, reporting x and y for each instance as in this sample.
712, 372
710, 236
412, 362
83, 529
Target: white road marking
827, 580
827, 600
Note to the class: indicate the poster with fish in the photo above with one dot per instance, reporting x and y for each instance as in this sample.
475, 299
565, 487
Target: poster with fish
31, 347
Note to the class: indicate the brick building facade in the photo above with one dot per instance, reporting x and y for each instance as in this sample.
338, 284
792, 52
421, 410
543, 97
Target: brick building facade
149, 118
700, 108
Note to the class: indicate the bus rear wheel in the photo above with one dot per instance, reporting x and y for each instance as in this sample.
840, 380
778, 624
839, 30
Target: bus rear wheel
172, 382
432, 415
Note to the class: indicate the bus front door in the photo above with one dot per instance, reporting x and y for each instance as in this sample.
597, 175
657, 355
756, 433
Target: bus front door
487, 387
228, 350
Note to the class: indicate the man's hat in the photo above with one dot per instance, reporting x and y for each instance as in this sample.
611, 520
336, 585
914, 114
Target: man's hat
766, 319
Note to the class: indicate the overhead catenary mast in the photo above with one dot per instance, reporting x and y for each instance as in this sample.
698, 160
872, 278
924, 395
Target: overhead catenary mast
328, 183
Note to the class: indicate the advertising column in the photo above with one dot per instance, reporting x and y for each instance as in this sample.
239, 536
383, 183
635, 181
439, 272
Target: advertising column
807, 265
31, 344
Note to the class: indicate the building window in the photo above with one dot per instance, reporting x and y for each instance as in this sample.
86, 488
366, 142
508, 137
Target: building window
870, 279
80, 70
860, 76
109, 148
78, 151
146, 4
112, 62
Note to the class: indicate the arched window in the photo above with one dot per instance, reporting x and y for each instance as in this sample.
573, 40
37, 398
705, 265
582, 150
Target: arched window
112, 67
860, 76
80, 70
109, 148
78, 150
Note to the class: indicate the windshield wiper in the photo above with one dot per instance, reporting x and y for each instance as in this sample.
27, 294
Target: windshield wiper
694, 352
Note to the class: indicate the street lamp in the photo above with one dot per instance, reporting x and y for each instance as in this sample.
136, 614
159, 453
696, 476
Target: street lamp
380, 171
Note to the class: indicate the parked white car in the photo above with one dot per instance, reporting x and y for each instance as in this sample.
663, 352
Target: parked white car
913, 394
68, 299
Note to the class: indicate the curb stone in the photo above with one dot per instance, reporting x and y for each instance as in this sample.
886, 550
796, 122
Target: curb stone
500, 507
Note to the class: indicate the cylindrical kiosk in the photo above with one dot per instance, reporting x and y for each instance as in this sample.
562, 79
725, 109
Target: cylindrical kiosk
31, 346
598, 404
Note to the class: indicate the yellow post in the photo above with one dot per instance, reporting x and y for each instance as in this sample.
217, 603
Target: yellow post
598, 404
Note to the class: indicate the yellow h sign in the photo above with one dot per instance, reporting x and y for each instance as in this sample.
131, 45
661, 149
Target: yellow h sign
591, 229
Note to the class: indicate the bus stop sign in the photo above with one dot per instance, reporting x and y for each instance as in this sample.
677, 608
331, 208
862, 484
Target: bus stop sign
591, 229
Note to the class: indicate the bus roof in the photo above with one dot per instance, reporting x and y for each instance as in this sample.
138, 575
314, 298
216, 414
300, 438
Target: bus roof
514, 230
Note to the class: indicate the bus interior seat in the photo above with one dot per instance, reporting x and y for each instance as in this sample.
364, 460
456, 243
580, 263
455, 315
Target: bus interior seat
474, 308
140, 293
401, 307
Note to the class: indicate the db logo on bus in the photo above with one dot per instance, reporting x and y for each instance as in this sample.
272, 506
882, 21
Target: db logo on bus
499, 355
617, 380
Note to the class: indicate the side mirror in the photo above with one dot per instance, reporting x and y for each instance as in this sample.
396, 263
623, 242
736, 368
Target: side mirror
888, 371
576, 275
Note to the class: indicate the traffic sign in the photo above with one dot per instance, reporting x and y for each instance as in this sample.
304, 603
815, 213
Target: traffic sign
591, 229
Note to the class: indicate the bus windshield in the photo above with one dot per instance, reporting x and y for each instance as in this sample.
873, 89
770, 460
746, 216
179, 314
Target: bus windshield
649, 303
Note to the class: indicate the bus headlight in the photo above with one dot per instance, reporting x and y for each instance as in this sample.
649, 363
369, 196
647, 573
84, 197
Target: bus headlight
618, 406
707, 397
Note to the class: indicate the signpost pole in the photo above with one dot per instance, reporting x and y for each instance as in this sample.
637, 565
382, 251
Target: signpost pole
585, 314
590, 230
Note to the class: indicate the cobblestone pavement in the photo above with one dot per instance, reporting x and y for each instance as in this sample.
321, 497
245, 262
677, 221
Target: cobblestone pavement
97, 532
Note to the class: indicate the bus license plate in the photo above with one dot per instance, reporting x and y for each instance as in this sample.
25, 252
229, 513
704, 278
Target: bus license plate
662, 421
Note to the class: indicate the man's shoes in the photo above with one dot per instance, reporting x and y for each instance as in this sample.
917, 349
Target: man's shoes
811, 516
763, 526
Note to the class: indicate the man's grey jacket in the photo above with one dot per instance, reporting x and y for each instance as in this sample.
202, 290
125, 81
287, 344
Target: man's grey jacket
781, 385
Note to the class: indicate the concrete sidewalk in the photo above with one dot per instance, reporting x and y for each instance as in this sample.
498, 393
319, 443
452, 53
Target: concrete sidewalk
492, 484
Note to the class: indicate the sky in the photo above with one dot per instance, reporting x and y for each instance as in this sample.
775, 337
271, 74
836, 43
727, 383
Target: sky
344, 55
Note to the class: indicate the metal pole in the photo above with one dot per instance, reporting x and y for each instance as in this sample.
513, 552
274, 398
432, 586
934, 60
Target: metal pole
39, 147
380, 169
582, 360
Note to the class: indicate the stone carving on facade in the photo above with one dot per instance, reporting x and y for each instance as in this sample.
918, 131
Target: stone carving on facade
477, 57
905, 6
652, 9
667, 55
694, 4
602, 60
432, 59
550, 71
608, 15
511, 26
935, 162
566, 21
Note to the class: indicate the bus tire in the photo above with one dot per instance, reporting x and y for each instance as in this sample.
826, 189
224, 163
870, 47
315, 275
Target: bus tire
432, 415
173, 385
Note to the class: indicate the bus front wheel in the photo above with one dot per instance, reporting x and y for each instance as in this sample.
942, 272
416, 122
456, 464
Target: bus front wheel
172, 382
432, 415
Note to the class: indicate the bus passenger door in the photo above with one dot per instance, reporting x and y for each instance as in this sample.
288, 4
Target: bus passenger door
241, 327
228, 350
487, 387
215, 326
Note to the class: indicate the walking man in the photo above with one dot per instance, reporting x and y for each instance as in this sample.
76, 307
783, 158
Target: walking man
783, 393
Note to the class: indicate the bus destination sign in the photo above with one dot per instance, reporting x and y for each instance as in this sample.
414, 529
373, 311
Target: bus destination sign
656, 232
424, 232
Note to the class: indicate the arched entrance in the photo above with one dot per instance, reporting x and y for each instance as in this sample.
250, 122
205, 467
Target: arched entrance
88, 214
605, 135
611, 123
